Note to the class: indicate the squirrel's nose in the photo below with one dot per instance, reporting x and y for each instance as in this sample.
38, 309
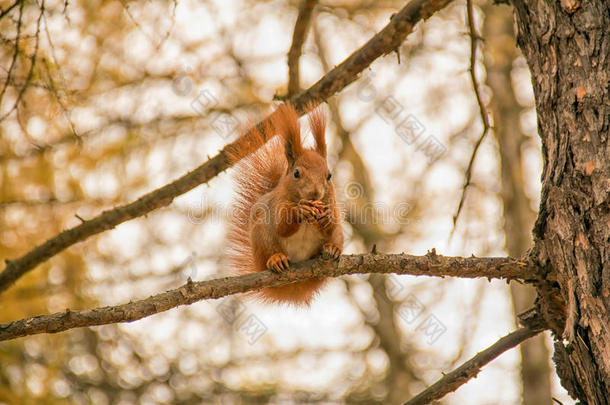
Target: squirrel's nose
315, 195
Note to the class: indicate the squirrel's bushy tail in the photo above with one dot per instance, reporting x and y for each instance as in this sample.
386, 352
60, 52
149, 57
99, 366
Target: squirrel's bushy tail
256, 175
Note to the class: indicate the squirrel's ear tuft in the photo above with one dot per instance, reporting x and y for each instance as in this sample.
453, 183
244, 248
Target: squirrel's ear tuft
317, 123
287, 124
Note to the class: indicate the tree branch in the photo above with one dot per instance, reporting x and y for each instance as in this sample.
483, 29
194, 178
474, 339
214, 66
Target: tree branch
384, 42
16, 52
298, 38
9, 8
428, 265
474, 39
450, 382
33, 59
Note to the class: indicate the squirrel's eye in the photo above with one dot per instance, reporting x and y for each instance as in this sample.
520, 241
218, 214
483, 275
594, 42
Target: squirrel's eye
329, 176
297, 174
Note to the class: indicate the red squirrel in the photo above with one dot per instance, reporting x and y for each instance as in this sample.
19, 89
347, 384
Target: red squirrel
285, 210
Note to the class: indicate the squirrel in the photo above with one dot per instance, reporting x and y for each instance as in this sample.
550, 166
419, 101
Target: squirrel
285, 209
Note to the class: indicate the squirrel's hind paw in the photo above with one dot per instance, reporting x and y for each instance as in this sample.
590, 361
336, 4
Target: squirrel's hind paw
331, 251
278, 262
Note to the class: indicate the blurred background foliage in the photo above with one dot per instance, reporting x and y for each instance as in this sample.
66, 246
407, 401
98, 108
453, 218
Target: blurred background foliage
102, 101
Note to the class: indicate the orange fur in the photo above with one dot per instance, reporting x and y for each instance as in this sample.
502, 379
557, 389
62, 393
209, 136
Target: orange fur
267, 218
287, 124
317, 123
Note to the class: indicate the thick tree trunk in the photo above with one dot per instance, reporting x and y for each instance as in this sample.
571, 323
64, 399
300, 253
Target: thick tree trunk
500, 53
567, 46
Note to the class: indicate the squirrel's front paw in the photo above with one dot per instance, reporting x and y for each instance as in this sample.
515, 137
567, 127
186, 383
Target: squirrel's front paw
278, 262
309, 210
330, 250
325, 219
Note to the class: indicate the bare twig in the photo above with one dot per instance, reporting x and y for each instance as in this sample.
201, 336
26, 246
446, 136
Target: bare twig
52, 87
298, 38
16, 53
461, 375
347, 72
474, 39
9, 8
428, 265
149, 36
32, 63
135, 21
172, 25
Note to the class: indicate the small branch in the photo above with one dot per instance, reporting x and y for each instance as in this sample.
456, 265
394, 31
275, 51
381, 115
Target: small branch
471, 368
337, 79
33, 59
16, 53
428, 265
9, 8
298, 38
474, 38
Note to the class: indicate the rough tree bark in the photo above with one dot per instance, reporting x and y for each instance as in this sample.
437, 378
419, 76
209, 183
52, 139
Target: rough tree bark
567, 47
500, 53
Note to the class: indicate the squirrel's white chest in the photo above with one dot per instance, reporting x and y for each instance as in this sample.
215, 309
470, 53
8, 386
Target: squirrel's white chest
303, 244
